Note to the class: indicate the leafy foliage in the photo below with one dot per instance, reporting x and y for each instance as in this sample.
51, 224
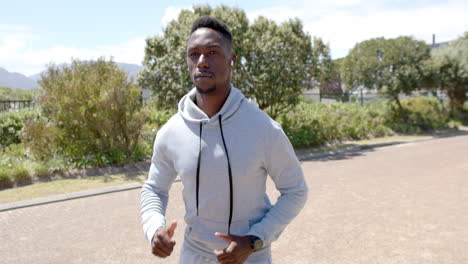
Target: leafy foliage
91, 111
392, 66
7, 93
5, 180
330, 77
422, 114
448, 70
21, 175
275, 63
42, 138
12, 123
313, 124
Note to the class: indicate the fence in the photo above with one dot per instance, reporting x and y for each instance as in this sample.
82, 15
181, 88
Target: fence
359, 97
363, 97
15, 104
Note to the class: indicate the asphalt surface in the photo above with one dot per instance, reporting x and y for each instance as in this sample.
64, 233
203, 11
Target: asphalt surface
400, 204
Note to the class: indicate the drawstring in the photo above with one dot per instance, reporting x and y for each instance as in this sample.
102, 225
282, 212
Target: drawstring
198, 166
229, 171
230, 176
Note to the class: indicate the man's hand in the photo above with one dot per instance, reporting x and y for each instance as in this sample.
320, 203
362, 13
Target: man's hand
236, 252
162, 243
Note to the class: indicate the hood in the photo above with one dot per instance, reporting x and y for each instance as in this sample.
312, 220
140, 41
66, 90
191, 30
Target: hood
191, 113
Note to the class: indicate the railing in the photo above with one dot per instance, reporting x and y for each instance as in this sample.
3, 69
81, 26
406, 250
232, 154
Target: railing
361, 98
15, 104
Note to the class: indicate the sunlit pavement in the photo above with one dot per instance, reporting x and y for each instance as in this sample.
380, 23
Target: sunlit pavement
398, 204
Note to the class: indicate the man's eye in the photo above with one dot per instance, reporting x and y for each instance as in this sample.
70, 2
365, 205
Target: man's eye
193, 54
213, 52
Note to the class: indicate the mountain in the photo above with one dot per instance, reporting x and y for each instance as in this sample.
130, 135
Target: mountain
131, 69
18, 80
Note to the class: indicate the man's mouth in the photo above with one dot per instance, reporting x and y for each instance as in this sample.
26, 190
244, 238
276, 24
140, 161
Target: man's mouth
202, 76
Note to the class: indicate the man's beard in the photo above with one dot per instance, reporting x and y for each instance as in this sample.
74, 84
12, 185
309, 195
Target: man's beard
207, 91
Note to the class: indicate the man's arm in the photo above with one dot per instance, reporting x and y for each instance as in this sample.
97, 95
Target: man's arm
154, 192
285, 170
283, 167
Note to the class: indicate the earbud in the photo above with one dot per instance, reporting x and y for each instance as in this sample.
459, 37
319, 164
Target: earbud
232, 63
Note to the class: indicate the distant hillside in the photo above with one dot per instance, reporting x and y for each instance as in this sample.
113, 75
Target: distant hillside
131, 69
18, 80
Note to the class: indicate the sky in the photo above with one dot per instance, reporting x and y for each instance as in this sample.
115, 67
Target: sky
34, 33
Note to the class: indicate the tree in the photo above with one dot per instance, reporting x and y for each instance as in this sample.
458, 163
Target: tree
330, 77
448, 70
93, 106
392, 66
275, 63
7, 93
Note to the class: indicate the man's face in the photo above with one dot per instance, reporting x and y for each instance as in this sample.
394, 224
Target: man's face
209, 60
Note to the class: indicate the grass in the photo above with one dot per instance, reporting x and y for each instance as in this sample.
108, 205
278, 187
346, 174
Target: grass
43, 189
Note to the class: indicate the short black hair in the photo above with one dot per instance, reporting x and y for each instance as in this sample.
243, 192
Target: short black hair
215, 24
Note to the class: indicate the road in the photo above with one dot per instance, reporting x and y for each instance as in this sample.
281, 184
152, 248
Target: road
400, 204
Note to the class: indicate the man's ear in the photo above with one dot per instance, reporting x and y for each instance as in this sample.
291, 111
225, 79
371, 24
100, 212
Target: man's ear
233, 59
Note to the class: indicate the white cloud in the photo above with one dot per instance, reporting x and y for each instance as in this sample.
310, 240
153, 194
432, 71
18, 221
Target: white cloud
18, 54
131, 51
276, 13
345, 23
172, 13
342, 23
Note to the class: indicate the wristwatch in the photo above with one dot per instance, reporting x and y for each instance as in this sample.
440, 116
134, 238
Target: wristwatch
255, 243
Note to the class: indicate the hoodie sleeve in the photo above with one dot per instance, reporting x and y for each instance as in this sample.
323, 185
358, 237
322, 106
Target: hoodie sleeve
154, 192
285, 170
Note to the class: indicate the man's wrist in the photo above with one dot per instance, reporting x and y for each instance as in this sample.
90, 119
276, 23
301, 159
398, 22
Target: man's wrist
255, 243
156, 233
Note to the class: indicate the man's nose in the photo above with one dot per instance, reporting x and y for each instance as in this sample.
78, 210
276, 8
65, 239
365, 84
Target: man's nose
202, 62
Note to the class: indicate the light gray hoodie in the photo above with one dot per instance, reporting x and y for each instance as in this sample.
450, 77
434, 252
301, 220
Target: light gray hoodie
223, 163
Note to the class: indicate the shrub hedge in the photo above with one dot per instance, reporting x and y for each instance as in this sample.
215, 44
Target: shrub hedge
421, 114
12, 123
308, 124
312, 124
5, 180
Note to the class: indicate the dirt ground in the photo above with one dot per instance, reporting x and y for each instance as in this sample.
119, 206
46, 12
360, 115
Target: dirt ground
399, 204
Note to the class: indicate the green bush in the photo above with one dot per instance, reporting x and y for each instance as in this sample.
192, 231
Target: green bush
57, 164
155, 116
312, 124
12, 123
42, 171
154, 120
21, 175
42, 138
7, 93
422, 114
5, 180
13, 155
92, 111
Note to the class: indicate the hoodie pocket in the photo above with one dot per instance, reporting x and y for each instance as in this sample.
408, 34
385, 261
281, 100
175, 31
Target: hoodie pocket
202, 232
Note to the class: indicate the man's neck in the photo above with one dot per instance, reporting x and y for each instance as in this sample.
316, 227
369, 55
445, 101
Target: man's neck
211, 103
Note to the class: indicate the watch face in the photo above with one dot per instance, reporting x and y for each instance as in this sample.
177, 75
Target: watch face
257, 244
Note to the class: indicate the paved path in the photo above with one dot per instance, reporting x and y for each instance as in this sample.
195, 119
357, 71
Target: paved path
399, 204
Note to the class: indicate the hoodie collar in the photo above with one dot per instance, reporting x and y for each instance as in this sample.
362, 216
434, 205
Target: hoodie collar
190, 111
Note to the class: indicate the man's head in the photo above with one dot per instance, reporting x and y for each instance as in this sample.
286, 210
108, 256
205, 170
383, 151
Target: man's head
209, 55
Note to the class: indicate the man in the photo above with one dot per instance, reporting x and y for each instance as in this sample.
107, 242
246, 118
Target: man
222, 147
